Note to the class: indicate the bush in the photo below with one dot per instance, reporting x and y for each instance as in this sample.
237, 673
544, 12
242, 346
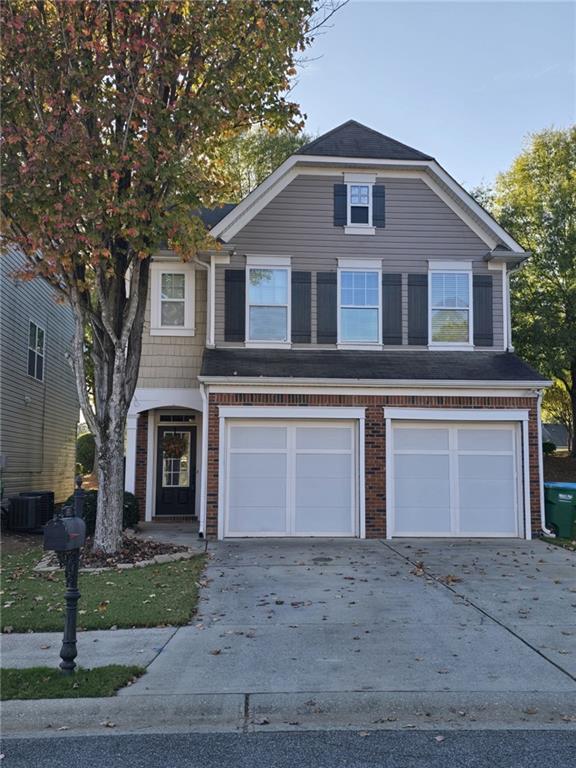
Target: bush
548, 448
130, 515
85, 452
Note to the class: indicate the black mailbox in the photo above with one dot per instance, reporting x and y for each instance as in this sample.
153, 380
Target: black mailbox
64, 534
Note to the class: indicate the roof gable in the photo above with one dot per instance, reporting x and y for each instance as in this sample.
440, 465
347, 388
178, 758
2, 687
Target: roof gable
352, 139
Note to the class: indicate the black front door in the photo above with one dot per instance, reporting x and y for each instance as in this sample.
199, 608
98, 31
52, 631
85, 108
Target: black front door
176, 471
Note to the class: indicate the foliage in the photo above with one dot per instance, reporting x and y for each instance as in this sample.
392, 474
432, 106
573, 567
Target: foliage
130, 514
535, 200
49, 683
113, 116
155, 595
85, 452
253, 155
548, 448
557, 409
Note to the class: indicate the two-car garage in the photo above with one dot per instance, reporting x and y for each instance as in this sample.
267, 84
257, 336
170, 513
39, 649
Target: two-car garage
311, 476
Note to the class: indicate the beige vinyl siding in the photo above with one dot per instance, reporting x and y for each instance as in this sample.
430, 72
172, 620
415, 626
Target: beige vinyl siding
174, 361
419, 227
38, 420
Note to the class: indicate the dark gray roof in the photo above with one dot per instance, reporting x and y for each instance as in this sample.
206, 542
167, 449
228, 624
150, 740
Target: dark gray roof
352, 139
211, 216
555, 433
345, 364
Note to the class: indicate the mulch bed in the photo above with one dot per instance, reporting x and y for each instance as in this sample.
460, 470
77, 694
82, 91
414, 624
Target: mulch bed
133, 550
560, 469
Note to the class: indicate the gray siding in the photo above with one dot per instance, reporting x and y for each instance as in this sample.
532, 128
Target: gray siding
38, 420
174, 361
299, 223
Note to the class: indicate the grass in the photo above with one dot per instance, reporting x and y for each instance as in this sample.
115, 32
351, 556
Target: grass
47, 683
156, 595
564, 543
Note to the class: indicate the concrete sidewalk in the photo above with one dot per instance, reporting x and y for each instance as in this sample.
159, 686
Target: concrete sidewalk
95, 649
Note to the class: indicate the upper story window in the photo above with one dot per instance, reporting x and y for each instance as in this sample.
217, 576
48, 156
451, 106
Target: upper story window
359, 306
172, 305
36, 352
268, 316
450, 321
360, 204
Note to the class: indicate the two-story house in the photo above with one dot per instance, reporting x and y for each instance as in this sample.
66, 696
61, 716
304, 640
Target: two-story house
343, 364
38, 402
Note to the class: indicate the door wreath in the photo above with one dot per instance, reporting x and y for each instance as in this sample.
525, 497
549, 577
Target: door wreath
174, 446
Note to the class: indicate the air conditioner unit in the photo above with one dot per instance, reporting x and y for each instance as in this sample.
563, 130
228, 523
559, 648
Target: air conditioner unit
46, 501
24, 513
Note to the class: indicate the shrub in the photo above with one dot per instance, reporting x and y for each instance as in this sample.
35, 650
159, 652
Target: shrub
85, 452
130, 514
548, 448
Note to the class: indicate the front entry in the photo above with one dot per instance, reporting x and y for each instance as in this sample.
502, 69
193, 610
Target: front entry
176, 471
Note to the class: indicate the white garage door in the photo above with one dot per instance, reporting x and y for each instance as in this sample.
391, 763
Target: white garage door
290, 479
455, 479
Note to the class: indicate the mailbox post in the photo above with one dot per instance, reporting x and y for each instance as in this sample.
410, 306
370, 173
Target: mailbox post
66, 535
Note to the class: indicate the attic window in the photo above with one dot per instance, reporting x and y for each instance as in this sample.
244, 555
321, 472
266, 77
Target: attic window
360, 204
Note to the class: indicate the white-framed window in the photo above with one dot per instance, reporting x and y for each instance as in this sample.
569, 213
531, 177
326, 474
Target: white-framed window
359, 203
450, 306
172, 305
36, 349
359, 304
268, 297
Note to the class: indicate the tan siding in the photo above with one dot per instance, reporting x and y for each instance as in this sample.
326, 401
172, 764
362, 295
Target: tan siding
299, 223
174, 361
37, 419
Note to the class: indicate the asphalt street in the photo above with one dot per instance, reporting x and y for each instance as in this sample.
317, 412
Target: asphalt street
319, 749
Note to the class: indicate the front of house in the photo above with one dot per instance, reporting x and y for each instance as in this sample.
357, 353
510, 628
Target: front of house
342, 365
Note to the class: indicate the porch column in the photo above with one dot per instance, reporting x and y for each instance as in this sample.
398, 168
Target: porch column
130, 478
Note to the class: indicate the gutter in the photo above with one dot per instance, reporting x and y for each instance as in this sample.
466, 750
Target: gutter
375, 383
546, 531
204, 466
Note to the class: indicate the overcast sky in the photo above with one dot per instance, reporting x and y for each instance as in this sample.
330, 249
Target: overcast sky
463, 81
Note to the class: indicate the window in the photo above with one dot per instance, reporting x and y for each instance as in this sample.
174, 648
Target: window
359, 307
268, 301
172, 306
450, 307
359, 204
36, 352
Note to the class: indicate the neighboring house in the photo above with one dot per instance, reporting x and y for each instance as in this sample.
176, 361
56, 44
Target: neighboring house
342, 365
38, 401
557, 434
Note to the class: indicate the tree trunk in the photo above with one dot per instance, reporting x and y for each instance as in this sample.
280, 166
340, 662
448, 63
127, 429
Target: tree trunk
572, 393
110, 466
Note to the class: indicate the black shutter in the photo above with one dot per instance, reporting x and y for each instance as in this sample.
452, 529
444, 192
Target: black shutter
483, 320
392, 309
326, 307
379, 205
418, 309
301, 298
234, 305
340, 205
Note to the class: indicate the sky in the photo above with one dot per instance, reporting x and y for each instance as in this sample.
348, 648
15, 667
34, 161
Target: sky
460, 80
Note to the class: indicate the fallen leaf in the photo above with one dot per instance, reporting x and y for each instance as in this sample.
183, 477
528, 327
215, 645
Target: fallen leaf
439, 739
363, 733
216, 652
108, 724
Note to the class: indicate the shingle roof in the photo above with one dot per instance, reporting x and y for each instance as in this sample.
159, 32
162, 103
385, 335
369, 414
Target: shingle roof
211, 216
352, 139
383, 365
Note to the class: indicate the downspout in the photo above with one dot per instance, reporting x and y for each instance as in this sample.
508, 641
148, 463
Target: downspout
204, 468
545, 530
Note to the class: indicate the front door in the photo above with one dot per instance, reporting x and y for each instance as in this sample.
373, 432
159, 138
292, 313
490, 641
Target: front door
176, 471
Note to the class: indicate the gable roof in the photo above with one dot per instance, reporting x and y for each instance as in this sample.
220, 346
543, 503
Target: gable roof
352, 139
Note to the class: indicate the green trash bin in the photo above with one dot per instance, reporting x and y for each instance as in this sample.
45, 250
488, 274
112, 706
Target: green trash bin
560, 505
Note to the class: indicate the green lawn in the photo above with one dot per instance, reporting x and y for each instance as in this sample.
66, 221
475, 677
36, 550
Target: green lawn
47, 683
558, 542
153, 596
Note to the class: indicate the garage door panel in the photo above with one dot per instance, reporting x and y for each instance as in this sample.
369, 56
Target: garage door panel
412, 438
330, 520
262, 438
257, 465
420, 466
485, 439
422, 521
313, 438
478, 521
251, 519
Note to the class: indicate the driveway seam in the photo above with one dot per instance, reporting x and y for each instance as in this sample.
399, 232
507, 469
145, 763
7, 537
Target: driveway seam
470, 602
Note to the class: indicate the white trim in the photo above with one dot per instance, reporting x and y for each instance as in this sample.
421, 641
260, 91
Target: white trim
361, 474
354, 227
360, 178
157, 269
34, 349
202, 510
453, 414
431, 174
449, 266
525, 476
452, 345
268, 261
359, 229
367, 386
505, 336
361, 265
150, 467
146, 399
377, 268
288, 412
130, 457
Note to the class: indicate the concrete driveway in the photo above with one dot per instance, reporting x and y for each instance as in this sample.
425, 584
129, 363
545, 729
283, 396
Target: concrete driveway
336, 616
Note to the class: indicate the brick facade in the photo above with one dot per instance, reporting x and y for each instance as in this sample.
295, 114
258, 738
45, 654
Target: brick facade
375, 441
141, 460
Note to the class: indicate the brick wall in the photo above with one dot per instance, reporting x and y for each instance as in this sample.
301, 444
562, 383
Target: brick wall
141, 461
375, 441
